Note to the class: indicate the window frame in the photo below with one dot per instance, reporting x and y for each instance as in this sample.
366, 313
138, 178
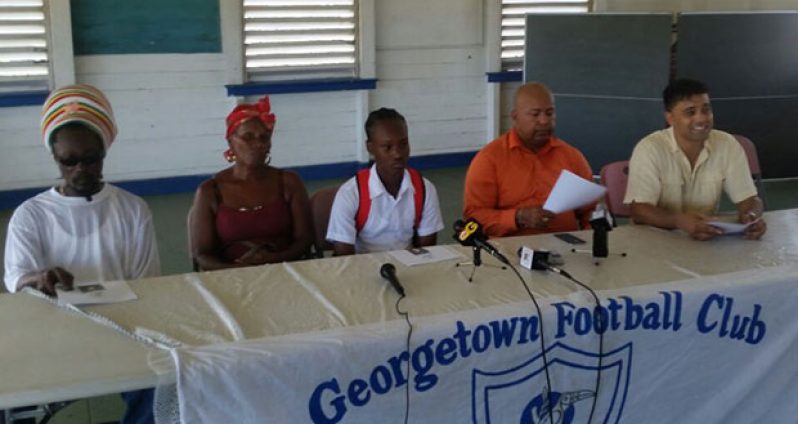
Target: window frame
497, 71
545, 6
61, 61
236, 80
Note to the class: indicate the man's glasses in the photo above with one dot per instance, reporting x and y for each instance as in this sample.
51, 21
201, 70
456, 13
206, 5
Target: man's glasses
86, 161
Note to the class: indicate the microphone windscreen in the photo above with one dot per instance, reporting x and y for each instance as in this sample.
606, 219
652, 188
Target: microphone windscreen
472, 229
388, 271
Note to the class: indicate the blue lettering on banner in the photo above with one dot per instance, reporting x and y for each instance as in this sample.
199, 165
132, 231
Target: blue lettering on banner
665, 314
328, 404
337, 406
718, 315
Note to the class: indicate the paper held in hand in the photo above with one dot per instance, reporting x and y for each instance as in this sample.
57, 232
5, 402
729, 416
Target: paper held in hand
732, 227
97, 293
571, 192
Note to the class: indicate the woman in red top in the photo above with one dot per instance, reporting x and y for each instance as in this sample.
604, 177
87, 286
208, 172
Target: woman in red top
250, 213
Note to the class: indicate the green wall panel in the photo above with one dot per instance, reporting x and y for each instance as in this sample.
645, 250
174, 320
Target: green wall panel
145, 26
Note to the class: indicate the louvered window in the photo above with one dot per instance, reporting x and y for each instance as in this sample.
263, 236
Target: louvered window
513, 17
24, 57
300, 39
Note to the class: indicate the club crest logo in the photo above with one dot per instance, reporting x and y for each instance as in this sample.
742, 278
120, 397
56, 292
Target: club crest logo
496, 394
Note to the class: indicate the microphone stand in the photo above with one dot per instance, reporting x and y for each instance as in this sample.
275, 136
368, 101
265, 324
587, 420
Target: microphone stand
476, 261
601, 222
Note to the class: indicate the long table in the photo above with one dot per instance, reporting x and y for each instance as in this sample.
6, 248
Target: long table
51, 354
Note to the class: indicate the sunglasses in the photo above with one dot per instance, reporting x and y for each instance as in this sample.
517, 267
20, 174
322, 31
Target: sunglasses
86, 161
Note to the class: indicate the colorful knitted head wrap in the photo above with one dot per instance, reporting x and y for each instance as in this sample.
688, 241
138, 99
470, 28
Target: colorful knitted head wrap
80, 103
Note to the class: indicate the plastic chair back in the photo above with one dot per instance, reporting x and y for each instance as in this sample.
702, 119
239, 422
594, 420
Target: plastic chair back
320, 206
615, 176
753, 163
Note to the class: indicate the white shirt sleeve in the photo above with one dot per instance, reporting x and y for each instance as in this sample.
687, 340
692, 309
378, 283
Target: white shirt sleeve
431, 219
24, 251
341, 227
146, 262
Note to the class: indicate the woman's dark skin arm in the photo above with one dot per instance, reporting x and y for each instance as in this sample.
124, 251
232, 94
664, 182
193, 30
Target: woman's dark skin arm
343, 249
202, 226
429, 240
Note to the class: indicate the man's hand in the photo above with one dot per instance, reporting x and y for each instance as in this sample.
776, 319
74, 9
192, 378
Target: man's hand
45, 281
695, 224
756, 230
533, 217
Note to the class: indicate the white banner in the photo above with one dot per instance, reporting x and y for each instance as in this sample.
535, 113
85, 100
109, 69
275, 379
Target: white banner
720, 349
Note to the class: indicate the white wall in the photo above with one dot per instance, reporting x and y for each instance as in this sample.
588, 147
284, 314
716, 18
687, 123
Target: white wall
433, 73
170, 112
431, 59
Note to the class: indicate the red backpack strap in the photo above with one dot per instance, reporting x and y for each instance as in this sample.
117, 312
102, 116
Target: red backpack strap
419, 195
364, 207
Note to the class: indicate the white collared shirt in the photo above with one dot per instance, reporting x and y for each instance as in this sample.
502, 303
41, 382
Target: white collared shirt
660, 173
390, 221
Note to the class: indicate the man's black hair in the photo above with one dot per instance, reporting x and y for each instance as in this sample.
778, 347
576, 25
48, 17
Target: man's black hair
680, 89
382, 114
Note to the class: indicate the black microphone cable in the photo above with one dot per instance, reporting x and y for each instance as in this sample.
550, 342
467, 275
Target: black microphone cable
598, 319
542, 342
407, 346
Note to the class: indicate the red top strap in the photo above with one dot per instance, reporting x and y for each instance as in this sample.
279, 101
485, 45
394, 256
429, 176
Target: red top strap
365, 199
419, 195
419, 192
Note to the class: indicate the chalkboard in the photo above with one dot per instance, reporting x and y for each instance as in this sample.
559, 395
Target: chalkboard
740, 54
607, 72
750, 62
145, 26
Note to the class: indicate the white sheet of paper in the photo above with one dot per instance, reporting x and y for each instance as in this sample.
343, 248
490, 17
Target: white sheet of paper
571, 192
730, 227
432, 254
96, 293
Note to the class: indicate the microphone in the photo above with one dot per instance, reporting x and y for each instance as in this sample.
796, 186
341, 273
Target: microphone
388, 272
469, 233
534, 259
541, 259
601, 221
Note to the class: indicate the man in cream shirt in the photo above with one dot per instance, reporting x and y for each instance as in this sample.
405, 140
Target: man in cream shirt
676, 175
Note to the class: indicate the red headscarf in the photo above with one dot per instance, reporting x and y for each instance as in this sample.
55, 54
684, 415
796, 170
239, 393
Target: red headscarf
261, 110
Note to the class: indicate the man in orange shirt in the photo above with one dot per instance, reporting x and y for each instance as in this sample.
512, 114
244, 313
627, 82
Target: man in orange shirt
509, 179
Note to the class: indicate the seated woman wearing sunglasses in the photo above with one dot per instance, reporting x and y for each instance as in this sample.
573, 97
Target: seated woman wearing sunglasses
250, 213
